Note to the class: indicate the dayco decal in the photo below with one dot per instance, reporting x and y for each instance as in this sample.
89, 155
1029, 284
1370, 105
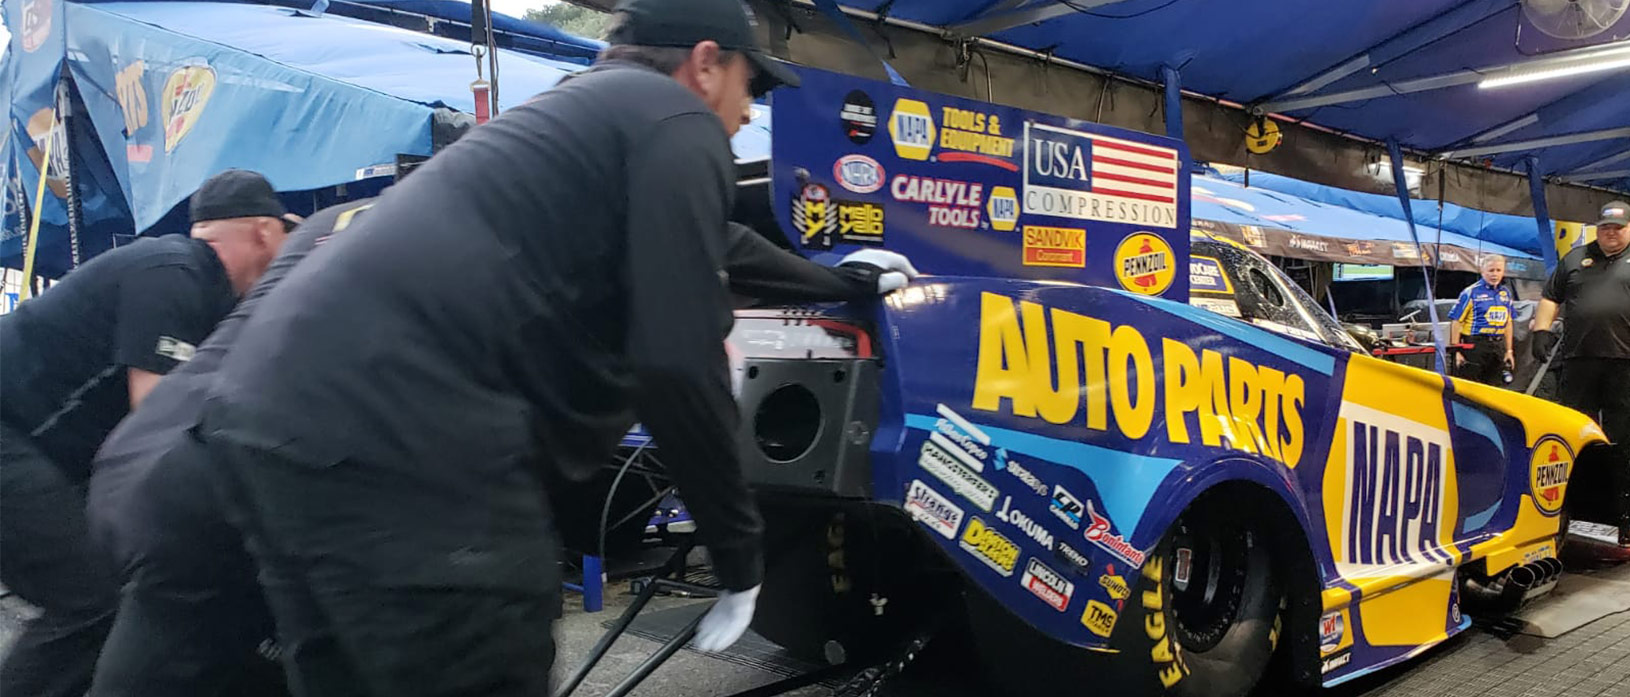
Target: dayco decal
977, 138
926, 505
185, 95
1169, 664
940, 463
1098, 533
859, 117
1255, 409
1071, 174
952, 203
1003, 207
1548, 473
36, 24
1048, 585
1395, 489
1099, 618
1144, 264
911, 128
858, 173
1115, 586
989, 546
1013, 467
1031, 528
1067, 507
1055, 246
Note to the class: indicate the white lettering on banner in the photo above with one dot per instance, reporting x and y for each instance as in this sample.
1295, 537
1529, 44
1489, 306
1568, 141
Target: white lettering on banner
928, 506
1031, 528
966, 426
1396, 484
1075, 174
1024, 475
941, 464
906, 187
1048, 585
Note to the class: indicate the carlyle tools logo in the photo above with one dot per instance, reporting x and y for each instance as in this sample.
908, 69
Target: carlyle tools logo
185, 95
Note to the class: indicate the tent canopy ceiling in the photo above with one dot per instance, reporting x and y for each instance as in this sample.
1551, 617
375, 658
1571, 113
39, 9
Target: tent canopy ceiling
1256, 52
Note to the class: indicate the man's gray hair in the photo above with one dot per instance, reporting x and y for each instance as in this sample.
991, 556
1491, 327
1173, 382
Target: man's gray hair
1487, 259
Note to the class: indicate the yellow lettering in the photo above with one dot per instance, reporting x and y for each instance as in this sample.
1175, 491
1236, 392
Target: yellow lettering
1161, 652
1294, 394
1171, 675
1183, 388
1214, 424
1245, 401
995, 125
1092, 335
1132, 418
1003, 370
1273, 386
1056, 404
1151, 570
1153, 601
1154, 625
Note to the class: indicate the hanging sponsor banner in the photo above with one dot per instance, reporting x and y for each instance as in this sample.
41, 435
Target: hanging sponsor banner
1297, 245
976, 189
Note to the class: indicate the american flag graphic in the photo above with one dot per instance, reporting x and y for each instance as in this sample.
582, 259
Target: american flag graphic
1075, 174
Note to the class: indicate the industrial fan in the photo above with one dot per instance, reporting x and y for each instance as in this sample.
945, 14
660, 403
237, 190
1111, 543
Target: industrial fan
1549, 25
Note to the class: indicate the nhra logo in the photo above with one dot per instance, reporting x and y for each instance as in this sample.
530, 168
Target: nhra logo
1099, 618
1395, 489
1048, 585
926, 505
1550, 463
1003, 207
1144, 264
1067, 507
911, 127
185, 95
990, 547
858, 173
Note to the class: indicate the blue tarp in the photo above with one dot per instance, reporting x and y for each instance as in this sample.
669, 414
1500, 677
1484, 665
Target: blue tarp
1517, 232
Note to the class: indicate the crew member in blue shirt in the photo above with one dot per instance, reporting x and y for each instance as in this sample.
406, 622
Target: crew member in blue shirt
1484, 313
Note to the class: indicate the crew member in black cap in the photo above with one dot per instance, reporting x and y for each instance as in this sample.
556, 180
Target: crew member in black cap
393, 412
1591, 286
77, 359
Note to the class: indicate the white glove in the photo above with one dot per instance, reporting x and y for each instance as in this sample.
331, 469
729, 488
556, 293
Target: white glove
897, 269
726, 621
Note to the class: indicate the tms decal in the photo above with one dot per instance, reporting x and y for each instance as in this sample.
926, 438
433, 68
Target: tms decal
1031, 528
1251, 408
1067, 507
1071, 174
1395, 490
1548, 473
937, 512
990, 547
1048, 585
911, 128
1099, 618
858, 173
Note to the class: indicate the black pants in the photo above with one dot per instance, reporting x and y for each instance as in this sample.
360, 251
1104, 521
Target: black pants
343, 631
1599, 387
191, 617
48, 561
1485, 362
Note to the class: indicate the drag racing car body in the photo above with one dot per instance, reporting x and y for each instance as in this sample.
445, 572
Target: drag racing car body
1090, 464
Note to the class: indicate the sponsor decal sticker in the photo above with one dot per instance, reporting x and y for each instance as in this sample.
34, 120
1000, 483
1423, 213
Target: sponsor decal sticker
1332, 630
860, 222
1099, 618
858, 173
1393, 499
1055, 246
1206, 275
1072, 174
930, 508
911, 127
1144, 263
1221, 306
1098, 534
990, 547
1115, 585
1336, 662
1048, 585
1545, 551
1030, 527
1003, 207
822, 221
940, 463
1074, 558
971, 136
951, 203
1549, 467
1011, 466
1067, 507
186, 93
859, 117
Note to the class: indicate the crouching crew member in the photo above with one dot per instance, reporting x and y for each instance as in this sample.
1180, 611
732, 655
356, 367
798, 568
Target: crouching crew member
1484, 309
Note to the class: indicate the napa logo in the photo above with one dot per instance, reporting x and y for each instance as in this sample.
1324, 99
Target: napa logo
1396, 490
911, 127
186, 93
1003, 207
1549, 466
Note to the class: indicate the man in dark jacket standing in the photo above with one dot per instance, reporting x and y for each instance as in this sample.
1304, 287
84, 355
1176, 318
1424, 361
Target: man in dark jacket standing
77, 359
387, 419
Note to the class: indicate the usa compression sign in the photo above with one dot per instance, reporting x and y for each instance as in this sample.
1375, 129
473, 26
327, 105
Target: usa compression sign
977, 189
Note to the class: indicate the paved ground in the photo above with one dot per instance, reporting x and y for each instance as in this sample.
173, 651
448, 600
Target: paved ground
1593, 661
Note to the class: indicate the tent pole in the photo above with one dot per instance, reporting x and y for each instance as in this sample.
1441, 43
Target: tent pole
1542, 214
1173, 82
1396, 154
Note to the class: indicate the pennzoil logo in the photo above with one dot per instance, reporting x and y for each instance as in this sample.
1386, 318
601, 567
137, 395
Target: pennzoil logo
185, 95
911, 127
1145, 264
1549, 467
36, 23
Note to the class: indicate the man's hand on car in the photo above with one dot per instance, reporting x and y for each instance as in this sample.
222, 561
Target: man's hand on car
727, 620
897, 269
1543, 342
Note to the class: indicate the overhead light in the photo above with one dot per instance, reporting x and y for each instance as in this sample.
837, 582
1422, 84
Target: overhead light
1612, 58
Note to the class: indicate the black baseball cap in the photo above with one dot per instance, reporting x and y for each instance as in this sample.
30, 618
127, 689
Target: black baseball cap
685, 23
236, 193
1615, 213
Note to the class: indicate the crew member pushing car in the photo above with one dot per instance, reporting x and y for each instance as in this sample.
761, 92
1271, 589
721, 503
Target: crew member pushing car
1591, 286
1484, 309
